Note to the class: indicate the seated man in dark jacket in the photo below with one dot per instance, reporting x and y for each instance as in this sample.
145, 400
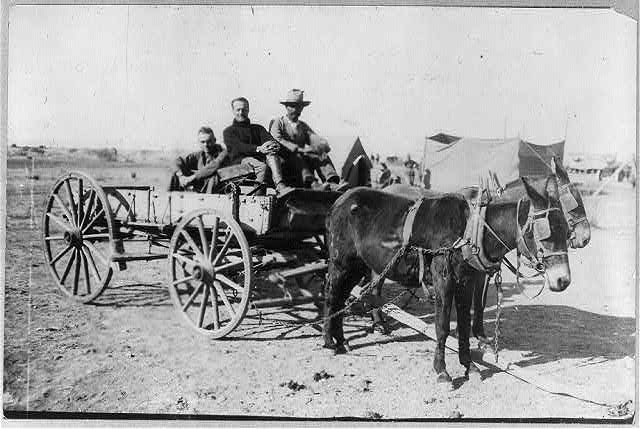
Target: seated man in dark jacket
199, 169
251, 144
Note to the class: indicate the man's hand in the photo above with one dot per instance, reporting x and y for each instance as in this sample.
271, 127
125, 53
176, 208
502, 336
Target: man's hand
307, 149
268, 148
184, 180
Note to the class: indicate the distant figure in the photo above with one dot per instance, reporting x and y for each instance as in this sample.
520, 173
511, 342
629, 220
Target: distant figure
251, 144
309, 153
198, 170
410, 166
385, 176
426, 179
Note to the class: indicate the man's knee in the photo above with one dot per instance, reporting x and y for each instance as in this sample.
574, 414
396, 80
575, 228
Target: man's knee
259, 167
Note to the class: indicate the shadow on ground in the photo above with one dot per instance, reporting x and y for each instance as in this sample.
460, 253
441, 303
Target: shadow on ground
134, 295
552, 332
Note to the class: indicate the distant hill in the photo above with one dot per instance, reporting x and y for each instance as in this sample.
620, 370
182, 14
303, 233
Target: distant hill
17, 156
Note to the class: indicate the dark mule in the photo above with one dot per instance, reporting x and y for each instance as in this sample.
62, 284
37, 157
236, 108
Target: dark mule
359, 228
579, 231
364, 231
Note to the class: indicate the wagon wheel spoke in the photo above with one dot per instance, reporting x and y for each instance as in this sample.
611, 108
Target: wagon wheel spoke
54, 238
191, 243
65, 209
214, 307
223, 297
192, 297
184, 259
223, 251
98, 253
224, 279
88, 209
94, 220
94, 236
65, 225
203, 237
230, 265
85, 265
203, 306
80, 203
60, 255
93, 266
214, 237
183, 280
76, 276
67, 185
68, 267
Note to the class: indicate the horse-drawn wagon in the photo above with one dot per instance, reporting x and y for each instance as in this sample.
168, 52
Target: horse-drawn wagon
214, 244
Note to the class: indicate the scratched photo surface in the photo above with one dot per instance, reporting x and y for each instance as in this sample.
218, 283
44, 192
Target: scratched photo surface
123, 298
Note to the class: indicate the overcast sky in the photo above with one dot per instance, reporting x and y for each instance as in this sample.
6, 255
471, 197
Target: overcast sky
145, 76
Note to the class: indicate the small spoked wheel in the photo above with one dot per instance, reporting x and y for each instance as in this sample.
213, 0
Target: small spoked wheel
77, 234
210, 272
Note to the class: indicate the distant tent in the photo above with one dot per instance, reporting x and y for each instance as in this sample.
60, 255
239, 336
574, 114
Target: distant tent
465, 161
357, 167
444, 138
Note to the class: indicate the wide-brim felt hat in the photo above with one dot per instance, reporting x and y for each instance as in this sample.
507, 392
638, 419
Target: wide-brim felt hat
295, 97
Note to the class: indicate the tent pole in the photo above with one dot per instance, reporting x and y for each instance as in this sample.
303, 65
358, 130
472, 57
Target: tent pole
423, 167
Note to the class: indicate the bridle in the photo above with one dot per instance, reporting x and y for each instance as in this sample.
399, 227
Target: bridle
569, 203
538, 223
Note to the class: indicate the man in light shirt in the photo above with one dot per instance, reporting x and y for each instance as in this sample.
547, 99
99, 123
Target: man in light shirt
308, 151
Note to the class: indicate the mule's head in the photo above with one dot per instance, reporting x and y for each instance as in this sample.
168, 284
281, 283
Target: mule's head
573, 207
545, 233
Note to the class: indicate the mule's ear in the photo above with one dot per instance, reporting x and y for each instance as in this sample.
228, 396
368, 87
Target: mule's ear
551, 188
536, 198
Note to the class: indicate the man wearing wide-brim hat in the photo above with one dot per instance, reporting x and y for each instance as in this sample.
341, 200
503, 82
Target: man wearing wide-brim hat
309, 151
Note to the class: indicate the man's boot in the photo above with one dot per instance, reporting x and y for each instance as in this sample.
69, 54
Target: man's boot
274, 164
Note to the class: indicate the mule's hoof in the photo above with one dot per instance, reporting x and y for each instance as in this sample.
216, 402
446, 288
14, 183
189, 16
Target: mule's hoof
473, 373
444, 377
382, 327
483, 340
329, 346
340, 349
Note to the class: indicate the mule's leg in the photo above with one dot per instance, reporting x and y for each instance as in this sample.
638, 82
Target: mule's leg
378, 320
441, 275
464, 294
333, 284
477, 282
341, 281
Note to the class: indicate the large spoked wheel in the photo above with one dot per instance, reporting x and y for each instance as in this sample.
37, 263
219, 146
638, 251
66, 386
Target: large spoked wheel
210, 272
77, 234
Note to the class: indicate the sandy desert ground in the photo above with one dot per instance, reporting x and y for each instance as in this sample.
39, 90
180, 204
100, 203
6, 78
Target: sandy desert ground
131, 353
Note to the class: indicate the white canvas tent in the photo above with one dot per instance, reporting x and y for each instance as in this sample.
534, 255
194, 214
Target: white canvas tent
464, 161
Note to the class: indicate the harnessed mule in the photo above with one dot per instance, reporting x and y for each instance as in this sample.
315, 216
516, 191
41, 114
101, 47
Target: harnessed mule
359, 227
579, 231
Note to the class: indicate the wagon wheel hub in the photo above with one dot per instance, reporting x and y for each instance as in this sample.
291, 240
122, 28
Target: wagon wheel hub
204, 272
73, 237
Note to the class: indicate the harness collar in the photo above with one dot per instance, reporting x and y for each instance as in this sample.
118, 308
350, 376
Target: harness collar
407, 229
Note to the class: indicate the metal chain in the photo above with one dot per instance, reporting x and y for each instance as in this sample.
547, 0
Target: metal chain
498, 282
368, 287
